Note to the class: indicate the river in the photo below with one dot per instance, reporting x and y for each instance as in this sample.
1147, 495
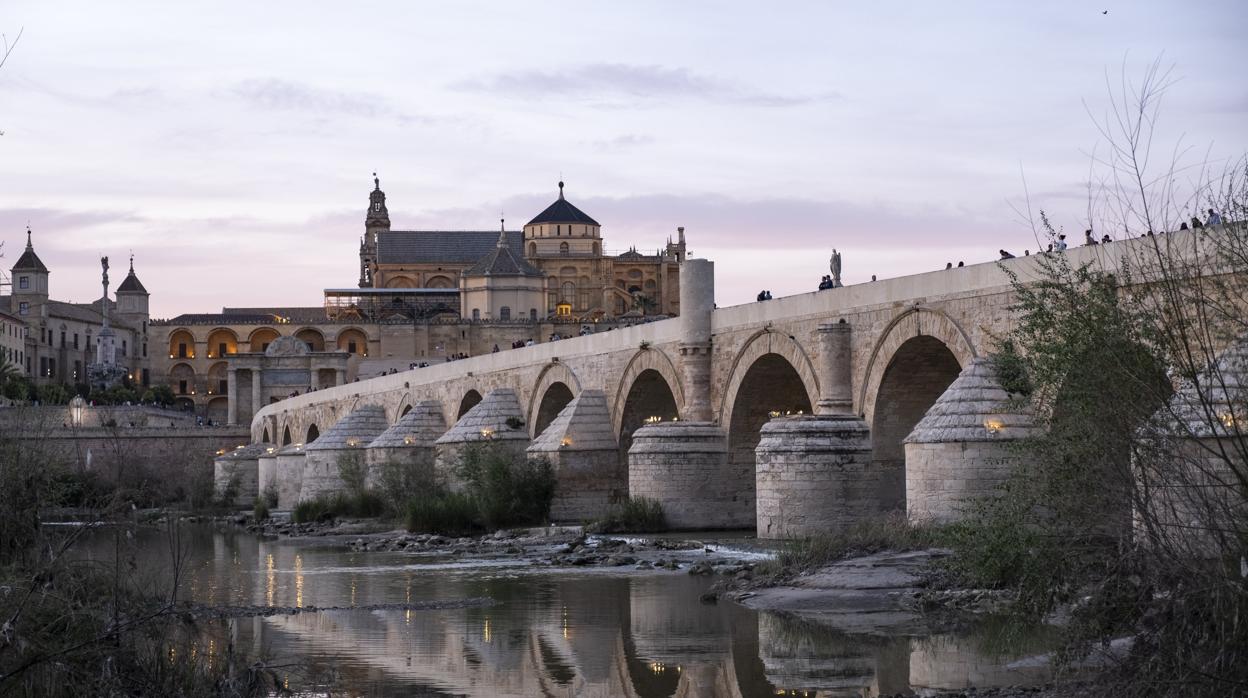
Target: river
549, 632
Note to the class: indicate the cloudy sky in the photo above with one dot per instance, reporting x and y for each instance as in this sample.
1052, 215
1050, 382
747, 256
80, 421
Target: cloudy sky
231, 144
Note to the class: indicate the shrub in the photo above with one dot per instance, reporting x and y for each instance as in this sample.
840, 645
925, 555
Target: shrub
451, 513
398, 480
329, 507
354, 472
261, 509
508, 488
631, 515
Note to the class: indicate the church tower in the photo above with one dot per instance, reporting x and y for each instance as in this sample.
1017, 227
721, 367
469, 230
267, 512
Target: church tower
376, 221
30, 282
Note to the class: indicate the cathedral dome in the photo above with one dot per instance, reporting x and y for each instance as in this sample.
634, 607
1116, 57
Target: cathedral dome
562, 211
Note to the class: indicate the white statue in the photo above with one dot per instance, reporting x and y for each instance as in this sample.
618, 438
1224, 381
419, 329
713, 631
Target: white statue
834, 265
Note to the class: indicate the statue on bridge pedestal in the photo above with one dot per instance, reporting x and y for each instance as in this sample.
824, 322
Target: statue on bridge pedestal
834, 265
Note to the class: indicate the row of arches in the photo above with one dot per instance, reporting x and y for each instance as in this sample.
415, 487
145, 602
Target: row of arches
771, 376
223, 341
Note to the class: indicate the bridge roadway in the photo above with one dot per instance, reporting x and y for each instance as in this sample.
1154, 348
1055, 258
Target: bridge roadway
731, 370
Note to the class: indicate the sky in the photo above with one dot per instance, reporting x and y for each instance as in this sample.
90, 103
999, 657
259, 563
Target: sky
231, 145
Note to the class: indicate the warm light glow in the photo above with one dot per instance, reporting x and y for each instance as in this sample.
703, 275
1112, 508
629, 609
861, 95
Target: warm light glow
565, 441
773, 414
993, 426
487, 433
239, 446
653, 419
408, 440
1228, 420
220, 451
270, 449
353, 442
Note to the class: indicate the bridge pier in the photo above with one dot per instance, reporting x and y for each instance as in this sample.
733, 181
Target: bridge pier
239, 469
580, 444
288, 474
814, 473
497, 420
681, 465
408, 445
960, 450
340, 452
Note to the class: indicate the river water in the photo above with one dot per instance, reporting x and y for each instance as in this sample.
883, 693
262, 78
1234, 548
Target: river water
550, 632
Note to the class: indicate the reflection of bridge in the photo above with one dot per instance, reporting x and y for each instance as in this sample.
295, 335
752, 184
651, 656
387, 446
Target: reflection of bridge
557, 635
880, 352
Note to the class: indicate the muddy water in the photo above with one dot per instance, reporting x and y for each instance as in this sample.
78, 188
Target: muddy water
550, 632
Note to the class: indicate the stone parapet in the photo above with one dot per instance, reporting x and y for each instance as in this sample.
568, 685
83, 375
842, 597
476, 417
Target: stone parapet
814, 476
682, 466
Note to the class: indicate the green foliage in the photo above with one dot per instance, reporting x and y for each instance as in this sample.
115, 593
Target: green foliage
398, 480
53, 394
889, 532
631, 515
160, 395
1011, 370
17, 388
260, 508
508, 489
339, 505
501, 489
447, 513
353, 470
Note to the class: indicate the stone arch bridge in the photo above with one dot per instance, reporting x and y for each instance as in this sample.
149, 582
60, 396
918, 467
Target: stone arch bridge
881, 352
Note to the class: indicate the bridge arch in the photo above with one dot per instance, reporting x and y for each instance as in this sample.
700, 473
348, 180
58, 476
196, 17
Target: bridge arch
313, 434
770, 375
914, 322
917, 374
467, 402
759, 345
556, 386
649, 359
650, 388
286, 440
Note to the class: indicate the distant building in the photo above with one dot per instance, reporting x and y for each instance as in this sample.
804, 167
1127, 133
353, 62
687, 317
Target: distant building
58, 341
421, 296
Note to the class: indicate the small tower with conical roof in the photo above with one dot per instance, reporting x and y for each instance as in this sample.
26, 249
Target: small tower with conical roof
376, 221
132, 301
30, 282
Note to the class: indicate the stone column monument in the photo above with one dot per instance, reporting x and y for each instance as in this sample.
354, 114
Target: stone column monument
105, 372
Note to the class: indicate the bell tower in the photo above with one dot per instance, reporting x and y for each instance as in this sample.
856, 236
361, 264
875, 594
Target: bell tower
376, 220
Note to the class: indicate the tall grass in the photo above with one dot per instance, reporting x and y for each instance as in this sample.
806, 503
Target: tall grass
631, 515
339, 505
891, 532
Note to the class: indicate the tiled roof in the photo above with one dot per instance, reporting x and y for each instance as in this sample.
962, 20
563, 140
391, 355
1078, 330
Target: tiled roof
501, 261
419, 428
449, 246
562, 211
29, 261
488, 420
973, 408
131, 284
356, 430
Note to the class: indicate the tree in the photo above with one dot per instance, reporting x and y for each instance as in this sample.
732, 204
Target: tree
1133, 498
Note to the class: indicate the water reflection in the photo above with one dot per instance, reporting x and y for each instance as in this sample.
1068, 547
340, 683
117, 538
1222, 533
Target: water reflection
552, 633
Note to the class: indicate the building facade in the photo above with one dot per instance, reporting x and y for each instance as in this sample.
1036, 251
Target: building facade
59, 338
422, 296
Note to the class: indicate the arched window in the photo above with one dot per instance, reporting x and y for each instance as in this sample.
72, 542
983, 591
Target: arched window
563, 248
567, 292
476, 313
532, 249
504, 313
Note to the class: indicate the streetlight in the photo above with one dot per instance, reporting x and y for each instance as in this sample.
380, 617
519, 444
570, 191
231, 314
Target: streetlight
76, 407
